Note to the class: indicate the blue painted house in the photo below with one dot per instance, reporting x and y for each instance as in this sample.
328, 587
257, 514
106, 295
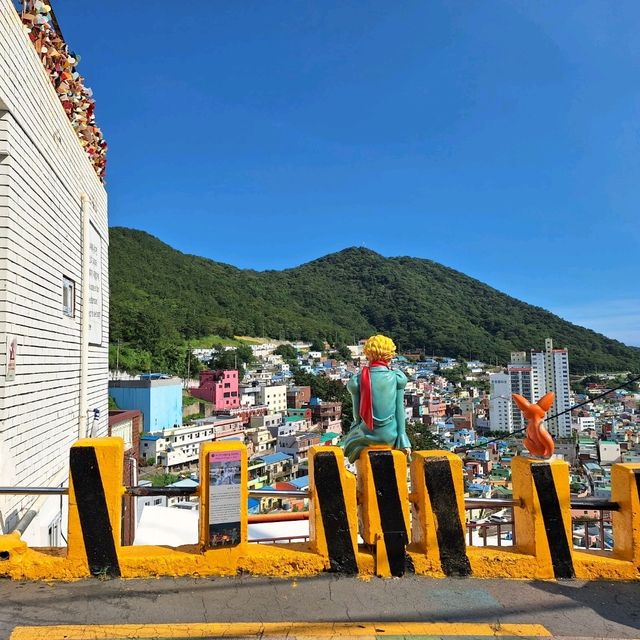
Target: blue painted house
159, 399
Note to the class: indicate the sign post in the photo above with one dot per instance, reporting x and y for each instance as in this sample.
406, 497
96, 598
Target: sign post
224, 494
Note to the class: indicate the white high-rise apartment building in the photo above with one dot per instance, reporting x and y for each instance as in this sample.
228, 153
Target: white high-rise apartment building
54, 300
532, 378
500, 412
550, 372
521, 378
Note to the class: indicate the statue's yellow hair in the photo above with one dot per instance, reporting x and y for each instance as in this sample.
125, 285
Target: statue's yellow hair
379, 348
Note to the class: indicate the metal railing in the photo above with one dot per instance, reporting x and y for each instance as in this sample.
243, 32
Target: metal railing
289, 539
34, 491
151, 491
484, 529
470, 503
597, 539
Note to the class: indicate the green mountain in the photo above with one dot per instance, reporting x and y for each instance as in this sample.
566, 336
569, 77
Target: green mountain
161, 297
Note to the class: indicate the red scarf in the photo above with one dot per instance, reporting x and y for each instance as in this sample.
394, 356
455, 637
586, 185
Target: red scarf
366, 404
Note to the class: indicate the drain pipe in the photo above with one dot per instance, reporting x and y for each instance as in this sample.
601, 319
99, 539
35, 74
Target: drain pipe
84, 326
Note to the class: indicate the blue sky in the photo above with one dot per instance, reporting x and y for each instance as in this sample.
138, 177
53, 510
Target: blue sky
498, 138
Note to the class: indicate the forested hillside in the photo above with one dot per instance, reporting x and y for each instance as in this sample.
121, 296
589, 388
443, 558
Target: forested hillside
161, 298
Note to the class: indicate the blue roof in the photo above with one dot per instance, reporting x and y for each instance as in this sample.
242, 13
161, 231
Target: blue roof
275, 457
149, 437
301, 483
479, 487
186, 482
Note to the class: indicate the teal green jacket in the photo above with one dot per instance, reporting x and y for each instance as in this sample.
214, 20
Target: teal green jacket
389, 426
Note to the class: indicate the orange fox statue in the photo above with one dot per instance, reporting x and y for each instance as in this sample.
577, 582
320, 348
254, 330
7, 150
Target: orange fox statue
538, 440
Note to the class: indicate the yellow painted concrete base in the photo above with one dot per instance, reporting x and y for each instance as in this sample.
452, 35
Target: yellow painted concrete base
281, 561
286, 561
295, 560
600, 565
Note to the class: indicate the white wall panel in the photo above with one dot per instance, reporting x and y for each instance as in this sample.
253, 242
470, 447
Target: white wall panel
43, 172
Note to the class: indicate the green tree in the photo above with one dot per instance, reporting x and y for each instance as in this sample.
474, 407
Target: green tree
422, 439
245, 354
288, 352
317, 345
164, 479
329, 390
344, 352
456, 374
230, 359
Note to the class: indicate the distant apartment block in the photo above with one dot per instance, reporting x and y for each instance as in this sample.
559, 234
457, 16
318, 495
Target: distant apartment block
278, 467
327, 414
532, 377
275, 397
298, 445
609, 452
249, 394
267, 421
521, 378
500, 404
261, 439
159, 399
297, 397
583, 423
177, 447
551, 373
220, 388
245, 413
257, 476
54, 302
304, 413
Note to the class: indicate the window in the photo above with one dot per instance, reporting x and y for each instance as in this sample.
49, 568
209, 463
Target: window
68, 297
157, 501
54, 531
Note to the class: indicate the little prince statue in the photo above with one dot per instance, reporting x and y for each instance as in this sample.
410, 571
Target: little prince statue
378, 402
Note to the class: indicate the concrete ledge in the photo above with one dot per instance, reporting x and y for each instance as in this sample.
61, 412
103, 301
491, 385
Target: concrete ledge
286, 561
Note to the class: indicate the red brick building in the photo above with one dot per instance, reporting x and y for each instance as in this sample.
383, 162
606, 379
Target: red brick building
245, 412
128, 425
327, 415
297, 397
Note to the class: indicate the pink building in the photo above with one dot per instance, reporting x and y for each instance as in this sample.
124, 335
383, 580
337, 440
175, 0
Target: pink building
220, 388
436, 408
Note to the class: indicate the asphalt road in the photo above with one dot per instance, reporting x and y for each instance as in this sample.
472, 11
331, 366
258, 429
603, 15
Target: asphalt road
574, 609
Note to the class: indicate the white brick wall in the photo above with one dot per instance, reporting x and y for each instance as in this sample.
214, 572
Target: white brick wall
42, 178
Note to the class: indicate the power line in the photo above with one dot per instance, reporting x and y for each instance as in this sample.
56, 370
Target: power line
577, 406
602, 395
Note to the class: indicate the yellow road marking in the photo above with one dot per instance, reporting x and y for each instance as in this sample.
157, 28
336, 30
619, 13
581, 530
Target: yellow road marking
266, 629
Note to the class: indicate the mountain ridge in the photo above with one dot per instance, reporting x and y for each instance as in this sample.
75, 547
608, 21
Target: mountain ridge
159, 295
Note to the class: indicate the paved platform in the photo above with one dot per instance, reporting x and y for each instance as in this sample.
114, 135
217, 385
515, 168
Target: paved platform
328, 606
